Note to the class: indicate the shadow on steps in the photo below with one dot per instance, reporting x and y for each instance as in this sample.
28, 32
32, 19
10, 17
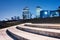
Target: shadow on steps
37, 32
14, 36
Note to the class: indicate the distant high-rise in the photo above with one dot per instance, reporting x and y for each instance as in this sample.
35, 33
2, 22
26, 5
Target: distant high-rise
26, 13
38, 9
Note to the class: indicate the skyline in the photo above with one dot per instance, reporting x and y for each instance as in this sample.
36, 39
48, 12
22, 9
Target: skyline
10, 8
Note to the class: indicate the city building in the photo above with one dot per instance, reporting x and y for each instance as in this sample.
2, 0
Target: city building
26, 13
40, 13
38, 9
54, 13
44, 14
47, 13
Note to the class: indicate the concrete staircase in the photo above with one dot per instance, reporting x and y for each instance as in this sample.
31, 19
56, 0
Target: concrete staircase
21, 32
41, 31
29, 36
48, 26
3, 35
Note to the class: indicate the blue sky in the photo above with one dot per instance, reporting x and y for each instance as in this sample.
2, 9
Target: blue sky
10, 8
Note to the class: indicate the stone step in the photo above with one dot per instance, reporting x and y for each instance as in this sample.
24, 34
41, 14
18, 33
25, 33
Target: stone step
4, 35
14, 36
30, 36
41, 31
50, 26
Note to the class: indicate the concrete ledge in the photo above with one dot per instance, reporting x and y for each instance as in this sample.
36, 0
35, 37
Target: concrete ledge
49, 26
40, 32
14, 36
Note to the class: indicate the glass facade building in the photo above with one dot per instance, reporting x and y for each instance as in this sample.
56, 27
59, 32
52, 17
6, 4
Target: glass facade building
46, 14
40, 13
54, 14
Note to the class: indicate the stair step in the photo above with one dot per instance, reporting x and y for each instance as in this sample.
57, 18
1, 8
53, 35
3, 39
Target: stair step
14, 36
41, 31
50, 26
30, 36
3, 35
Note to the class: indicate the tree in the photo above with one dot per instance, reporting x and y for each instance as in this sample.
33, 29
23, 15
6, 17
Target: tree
7, 19
12, 18
15, 18
18, 17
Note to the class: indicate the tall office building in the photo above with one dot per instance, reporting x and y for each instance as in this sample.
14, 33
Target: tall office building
26, 13
38, 9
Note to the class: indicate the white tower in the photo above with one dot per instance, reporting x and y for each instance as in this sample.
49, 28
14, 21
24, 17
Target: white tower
38, 9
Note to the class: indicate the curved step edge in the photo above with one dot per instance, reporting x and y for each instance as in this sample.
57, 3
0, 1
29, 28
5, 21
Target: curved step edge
44, 33
42, 26
14, 36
